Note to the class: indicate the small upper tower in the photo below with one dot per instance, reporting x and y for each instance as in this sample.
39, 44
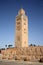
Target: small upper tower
21, 29
21, 11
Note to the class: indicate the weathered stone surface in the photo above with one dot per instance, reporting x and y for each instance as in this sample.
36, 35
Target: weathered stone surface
29, 53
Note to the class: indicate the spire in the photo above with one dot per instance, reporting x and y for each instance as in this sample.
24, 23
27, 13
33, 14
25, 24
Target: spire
21, 11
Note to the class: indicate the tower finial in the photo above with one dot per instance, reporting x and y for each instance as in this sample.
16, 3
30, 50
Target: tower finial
21, 11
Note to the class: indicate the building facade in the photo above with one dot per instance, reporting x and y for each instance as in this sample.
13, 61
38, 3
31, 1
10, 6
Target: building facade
21, 39
31, 53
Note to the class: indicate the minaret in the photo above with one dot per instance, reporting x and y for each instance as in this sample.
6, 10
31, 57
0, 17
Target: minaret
21, 39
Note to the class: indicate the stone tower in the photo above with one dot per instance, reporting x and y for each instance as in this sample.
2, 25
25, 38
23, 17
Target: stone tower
21, 29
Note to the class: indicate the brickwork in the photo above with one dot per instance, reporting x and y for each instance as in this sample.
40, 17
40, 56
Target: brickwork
21, 29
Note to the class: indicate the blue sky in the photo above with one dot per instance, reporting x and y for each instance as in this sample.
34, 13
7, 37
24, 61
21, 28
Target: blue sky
8, 11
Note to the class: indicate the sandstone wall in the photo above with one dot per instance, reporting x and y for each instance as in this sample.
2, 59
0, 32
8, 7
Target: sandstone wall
29, 53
